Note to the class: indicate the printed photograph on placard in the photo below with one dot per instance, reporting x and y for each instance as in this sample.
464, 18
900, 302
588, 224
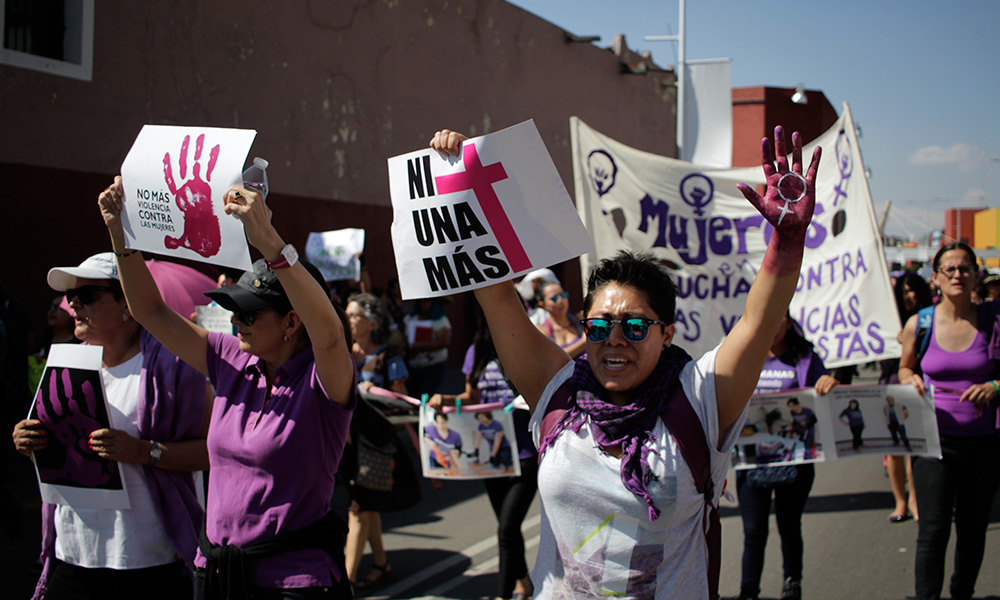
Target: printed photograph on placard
780, 428
882, 420
70, 404
472, 444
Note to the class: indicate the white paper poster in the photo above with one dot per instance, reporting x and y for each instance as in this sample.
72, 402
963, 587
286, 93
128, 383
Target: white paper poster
497, 211
476, 443
215, 318
337, 253
70, 403
877, 420
694, 218
800, 426
175, 179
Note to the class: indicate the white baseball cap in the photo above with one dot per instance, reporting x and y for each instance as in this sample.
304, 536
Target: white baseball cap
525, 288
98, 266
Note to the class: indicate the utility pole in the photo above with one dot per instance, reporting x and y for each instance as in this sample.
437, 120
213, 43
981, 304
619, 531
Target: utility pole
682, 150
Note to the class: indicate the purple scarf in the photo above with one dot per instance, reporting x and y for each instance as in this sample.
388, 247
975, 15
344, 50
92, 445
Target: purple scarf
629, 426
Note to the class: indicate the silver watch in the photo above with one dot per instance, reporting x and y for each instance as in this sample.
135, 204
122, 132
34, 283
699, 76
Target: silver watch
155, 452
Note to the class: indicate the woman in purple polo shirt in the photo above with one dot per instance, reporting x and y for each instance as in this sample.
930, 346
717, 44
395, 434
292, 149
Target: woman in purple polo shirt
285, 389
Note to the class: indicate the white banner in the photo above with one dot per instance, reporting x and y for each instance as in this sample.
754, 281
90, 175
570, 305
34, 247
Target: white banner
337, 254
175, 179
496, 212
696, 220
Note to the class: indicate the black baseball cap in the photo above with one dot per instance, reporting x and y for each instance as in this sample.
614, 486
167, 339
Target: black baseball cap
259, 288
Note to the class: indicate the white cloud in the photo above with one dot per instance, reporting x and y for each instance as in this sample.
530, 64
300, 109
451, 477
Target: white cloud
974, 197
966, 157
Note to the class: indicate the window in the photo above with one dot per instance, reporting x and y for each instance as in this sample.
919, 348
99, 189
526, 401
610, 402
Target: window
52, 36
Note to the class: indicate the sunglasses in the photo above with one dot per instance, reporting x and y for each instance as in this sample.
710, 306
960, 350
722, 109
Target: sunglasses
634, 330
962, 270
559, 296
247, 318
87, 293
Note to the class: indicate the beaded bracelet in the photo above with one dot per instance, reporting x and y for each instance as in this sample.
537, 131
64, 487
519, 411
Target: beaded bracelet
995, 385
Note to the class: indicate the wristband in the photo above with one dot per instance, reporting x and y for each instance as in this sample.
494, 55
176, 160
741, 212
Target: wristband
995, 385
123, 254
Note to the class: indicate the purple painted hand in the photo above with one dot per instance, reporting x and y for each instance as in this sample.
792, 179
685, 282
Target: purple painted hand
789, 200
194, 198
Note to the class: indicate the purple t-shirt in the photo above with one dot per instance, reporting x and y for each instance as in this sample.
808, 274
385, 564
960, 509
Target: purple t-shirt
273, 460
777, 376
490, 433
951, 373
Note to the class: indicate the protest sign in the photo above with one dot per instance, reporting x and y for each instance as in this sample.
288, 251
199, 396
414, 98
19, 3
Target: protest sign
476, 443
695, 219
337, 253
215, 318
175, 179
800, 426
780, 429
867, 420
497, 211
70, 403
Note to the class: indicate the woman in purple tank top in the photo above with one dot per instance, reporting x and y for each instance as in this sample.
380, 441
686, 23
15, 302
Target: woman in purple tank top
960, 366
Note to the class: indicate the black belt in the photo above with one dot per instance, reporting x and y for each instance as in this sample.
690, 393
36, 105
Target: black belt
225, 573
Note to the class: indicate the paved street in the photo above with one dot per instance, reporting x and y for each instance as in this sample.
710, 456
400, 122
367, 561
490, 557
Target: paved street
446, 546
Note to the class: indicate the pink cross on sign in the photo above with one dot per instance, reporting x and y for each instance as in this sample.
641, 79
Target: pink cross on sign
480, 180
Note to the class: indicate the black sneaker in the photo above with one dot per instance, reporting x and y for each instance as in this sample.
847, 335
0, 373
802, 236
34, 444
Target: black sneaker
791, 589
746, 594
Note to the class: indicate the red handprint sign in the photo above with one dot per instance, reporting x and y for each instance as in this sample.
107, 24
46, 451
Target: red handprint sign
194, 198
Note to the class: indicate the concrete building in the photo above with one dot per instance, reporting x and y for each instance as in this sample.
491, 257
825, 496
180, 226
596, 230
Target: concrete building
960, 226
332, 88
758, 110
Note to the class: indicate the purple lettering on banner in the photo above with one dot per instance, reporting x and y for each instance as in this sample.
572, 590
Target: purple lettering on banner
480, 180
720, 246
742, 225
650, 209
688, 322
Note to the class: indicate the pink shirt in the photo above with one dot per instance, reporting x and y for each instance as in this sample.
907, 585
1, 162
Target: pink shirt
273, 459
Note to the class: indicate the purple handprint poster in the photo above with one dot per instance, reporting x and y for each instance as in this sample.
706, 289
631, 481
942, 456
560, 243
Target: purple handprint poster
175, 179
70, 404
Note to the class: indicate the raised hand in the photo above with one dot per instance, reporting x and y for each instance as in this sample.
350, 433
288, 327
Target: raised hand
448, 142
110, 203
790, 197
252, 210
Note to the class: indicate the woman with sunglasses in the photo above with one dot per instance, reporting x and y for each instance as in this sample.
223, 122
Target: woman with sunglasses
285, 388
561, 326
159, 409
620, 511
960, 362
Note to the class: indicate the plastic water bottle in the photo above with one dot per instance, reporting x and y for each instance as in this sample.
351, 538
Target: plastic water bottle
255, 177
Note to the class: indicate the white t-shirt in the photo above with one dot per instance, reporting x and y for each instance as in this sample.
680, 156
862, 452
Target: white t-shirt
117, 539
596, 538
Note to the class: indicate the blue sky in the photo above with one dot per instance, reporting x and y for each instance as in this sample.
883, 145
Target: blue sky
922, 79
